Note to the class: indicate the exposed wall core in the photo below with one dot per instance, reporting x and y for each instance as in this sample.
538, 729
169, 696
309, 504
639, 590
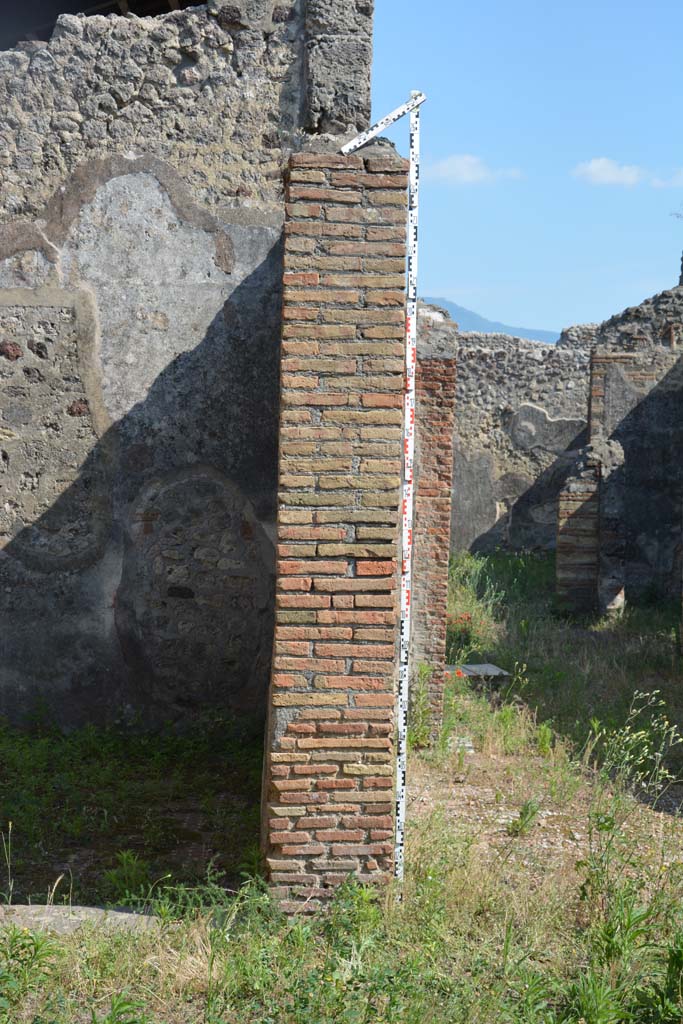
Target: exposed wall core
34, 20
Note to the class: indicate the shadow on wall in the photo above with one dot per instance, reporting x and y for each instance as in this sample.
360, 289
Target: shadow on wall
641, 490
139, 401
524, 517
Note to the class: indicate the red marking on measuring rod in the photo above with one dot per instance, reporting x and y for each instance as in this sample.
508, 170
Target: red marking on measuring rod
412, 107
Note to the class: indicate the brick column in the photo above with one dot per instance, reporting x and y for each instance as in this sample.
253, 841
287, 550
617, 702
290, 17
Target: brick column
578, 544
328, 782
435, 424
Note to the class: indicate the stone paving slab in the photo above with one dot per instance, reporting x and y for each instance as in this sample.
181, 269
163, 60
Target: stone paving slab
64, 920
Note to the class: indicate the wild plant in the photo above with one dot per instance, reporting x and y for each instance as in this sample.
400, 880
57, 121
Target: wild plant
526, 818
26, 959
419, 710
6, 840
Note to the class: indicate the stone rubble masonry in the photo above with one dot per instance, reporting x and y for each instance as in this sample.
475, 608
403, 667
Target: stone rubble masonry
141, 214
223, 92
520, 409
328, 781
435, 424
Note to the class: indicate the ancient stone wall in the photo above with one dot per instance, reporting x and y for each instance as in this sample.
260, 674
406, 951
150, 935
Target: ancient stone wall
520, 415
141, 209
329, 746
631, 535
219, 92
625, 541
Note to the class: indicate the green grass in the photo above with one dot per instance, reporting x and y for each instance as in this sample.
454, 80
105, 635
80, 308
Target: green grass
498, 923
111, 811
502, 609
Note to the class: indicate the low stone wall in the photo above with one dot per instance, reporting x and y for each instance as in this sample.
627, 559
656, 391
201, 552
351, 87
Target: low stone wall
329, 748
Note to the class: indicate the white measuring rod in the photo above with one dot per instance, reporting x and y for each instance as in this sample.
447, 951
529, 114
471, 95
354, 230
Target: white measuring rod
412, 107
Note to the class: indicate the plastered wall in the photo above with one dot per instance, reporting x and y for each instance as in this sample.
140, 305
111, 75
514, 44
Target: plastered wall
141, 211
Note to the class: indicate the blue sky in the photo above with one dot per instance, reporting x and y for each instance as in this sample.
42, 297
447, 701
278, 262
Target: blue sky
552, 150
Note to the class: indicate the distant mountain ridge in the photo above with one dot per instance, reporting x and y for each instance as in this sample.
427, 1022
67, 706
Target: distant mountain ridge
470, 321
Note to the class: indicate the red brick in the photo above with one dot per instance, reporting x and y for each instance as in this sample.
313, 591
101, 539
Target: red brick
319, 566
382, 401
297, 647
328, 650
308, 664
289, 837
375, 700
307, 849
375, 568
368, 821
297, 583
305, 799
285, 680
317, 821
303, 601
358, 682
343, 728
341, 835
341, 743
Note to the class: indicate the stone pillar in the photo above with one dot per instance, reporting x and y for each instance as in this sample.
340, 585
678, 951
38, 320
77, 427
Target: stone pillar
435, 423
328, 800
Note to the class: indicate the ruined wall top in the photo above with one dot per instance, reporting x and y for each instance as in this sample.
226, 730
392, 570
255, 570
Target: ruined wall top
222, 92
656, 321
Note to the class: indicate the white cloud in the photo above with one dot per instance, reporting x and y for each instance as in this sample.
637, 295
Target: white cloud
465, 169
603, 171
675, 181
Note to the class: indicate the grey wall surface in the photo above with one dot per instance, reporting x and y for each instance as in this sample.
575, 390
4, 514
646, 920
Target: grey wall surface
522, 427
140, 266
636, 431
521, 411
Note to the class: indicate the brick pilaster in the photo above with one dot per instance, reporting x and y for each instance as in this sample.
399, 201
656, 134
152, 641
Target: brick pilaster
435, 423
329, 748
578, 544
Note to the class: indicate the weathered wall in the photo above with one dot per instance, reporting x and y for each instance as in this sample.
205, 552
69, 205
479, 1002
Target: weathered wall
140, 287
520, 414
435, 407
329, 762
218, 92
627, 542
